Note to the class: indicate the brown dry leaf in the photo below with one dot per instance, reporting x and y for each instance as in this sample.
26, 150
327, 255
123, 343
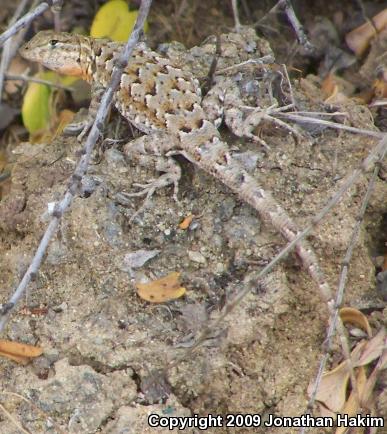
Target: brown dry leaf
64, 118
20, 353
17, 66
369, 387
373, 349
29, 311
333, 386
329, 86
352, 406
379, 87
383, 359
186, 222
336, 90
373, 377
325, 412
358, 39
161, 290
355, 317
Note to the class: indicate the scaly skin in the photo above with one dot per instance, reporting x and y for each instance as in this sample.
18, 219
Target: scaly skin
161, 99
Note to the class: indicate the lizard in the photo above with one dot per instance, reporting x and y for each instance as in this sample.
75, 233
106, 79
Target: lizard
165, 102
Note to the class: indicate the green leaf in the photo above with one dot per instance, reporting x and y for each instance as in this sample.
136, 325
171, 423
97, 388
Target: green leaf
36, 109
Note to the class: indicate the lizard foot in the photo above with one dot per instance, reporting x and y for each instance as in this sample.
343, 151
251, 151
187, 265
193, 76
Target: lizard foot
170, 177
79, 129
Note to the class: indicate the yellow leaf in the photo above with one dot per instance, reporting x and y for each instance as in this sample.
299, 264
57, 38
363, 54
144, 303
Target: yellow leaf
37, 104
161, 290
115, 21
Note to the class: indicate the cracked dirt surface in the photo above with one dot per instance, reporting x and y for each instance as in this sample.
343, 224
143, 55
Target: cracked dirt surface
101, 340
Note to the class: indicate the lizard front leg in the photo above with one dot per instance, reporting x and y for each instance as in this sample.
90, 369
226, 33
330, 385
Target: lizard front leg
152, 151
81, 128
224, 101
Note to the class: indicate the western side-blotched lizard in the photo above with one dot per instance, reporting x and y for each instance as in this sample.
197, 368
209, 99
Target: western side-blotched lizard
165, 102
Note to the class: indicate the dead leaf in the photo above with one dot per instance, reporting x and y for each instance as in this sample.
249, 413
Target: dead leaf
379, 87
383, 359
20, 353
359, 39
373, 349
329, 86
161, 290
16, 67
37, 311
373, 377
355, 317
186, 222
64, 118
333, 387
336, 90
352, 405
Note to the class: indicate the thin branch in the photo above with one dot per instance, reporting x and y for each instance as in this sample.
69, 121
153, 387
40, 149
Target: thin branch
82, 166
364, 14
37, 80
13, 420
234, 4
259, 62
7, 54
340, 291
294, 21
56, 8
23, 21
305, 119
376, 155
297, 26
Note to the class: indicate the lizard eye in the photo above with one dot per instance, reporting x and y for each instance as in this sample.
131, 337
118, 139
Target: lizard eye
53, 42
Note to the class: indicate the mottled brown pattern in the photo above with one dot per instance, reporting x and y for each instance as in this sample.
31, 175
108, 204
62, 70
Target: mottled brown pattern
158, 97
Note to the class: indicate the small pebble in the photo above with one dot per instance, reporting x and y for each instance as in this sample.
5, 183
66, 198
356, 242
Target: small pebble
196, 257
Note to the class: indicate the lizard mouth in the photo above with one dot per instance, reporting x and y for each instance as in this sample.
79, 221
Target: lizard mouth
50, 61
25, 52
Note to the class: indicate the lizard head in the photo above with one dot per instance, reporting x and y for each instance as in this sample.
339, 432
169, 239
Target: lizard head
62, 52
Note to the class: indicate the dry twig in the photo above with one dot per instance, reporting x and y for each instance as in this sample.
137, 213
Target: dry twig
24, 20
36, 80
234, 4
8, 52
375, 156
340, 293
82, 166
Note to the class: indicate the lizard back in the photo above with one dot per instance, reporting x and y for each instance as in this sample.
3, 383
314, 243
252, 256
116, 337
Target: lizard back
154, 94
